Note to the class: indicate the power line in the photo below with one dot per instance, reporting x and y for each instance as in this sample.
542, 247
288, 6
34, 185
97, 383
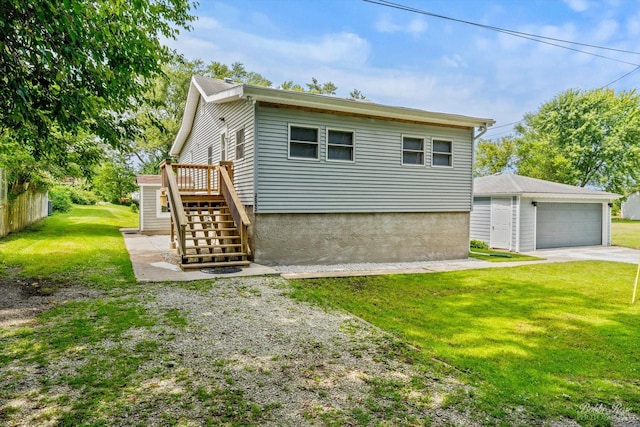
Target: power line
532, 37
621, 77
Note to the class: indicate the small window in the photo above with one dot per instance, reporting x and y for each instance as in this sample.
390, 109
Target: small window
340, 145
162, 206
223, 147
412, 150
442, 153
210, 155
303, 142
239, 144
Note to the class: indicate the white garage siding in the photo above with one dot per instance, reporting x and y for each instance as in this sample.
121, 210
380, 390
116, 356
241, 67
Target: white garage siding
481, 219
527, 225
568, 224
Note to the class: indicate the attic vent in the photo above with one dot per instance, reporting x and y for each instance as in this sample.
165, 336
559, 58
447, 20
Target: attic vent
228, 80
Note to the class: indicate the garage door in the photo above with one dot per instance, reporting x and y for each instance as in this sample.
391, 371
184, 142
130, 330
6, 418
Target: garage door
568, 224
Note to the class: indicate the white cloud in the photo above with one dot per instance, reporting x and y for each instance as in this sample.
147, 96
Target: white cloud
454, 61
416, 26
578, 5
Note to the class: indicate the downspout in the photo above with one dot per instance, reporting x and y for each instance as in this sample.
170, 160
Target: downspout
483, 129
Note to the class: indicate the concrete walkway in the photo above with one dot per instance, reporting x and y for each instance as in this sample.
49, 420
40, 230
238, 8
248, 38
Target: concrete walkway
154, 261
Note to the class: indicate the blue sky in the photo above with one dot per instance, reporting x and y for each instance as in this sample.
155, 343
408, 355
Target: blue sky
400, 58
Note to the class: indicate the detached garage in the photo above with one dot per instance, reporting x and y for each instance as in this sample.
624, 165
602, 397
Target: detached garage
523, 214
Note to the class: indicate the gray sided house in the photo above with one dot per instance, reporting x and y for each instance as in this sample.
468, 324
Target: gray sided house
525, 214
631, 207
331, 180
154, 217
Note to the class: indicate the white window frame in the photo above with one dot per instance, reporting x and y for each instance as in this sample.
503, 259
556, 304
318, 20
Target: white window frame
243, 145
224, 144
402, 150
312, 159
159, 213
433, 152
210, 155
353, 145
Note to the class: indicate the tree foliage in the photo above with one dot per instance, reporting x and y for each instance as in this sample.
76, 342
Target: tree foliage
71, 68
494, 156
115, 180
583, 138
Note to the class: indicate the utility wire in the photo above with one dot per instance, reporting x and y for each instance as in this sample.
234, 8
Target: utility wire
491, 27
621, 77
532, 37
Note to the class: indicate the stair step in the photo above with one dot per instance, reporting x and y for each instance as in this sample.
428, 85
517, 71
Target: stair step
211, 237
215, 264
211, 222
215, 255
224, 245
212, 229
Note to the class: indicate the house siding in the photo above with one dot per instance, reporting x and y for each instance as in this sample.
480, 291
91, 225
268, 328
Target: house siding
205, 132
375, 182
481, 219
150, 223
514, 223
631, 207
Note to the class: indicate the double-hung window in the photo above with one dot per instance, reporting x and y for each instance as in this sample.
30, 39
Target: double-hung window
303, 142
239, 144
442, 152
340, 145
412, 150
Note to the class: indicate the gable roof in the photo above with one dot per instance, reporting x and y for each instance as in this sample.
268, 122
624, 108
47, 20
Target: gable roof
516, 185
220, 91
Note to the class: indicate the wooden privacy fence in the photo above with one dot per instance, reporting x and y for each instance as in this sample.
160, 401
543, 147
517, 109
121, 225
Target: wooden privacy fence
22, 211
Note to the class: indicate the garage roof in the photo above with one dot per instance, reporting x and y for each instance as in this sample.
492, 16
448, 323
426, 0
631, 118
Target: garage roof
515, 185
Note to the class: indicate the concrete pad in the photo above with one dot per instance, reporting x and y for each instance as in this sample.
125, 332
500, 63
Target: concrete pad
589, 253
154, 261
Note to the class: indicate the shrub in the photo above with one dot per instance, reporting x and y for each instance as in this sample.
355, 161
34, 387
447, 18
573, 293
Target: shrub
478, 244
80, 196
61, 197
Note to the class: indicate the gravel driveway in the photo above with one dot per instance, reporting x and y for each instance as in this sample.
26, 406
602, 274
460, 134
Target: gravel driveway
297, 364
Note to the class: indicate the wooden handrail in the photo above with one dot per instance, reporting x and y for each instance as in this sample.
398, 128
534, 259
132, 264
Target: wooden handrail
196, 178
177, 209
238, 213
232, 199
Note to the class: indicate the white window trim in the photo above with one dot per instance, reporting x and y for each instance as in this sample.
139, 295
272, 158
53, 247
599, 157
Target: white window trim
159, 213
353, 145
223, 132
441, 152
235, 144
402, 150
308, 159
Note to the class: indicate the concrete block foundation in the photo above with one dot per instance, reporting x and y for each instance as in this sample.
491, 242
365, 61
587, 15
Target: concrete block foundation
340, 238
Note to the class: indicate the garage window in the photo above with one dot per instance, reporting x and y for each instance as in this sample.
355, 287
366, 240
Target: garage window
340, 145
303, 142
412, 150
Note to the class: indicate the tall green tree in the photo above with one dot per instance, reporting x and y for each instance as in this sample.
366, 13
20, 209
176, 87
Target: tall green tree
583, 138
70, 67
115, 179
493, 157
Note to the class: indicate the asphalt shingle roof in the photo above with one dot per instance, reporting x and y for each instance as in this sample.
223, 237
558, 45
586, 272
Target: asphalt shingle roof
512, 184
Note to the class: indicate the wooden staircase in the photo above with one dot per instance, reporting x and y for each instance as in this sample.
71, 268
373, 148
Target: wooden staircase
212, 238
208, 225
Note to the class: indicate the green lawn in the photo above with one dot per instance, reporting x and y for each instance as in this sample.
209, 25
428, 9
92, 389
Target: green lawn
500, 256
84, 243
554, 339
625, 232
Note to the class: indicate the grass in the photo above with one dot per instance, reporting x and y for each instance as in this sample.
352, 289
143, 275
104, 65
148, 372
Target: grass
85, 243
86, 361
625, 232
553, 339
500, 256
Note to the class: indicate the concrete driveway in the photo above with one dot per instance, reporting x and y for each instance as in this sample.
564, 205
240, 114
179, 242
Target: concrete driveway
593, 253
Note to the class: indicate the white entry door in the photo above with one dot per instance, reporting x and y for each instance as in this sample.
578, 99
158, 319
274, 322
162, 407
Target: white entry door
500, 223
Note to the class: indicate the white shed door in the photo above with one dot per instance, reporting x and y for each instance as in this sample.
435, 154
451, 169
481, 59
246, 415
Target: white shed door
500, 223
568, 224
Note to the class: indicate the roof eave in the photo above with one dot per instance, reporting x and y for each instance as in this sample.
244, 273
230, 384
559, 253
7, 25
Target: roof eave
577, 196
323, 102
